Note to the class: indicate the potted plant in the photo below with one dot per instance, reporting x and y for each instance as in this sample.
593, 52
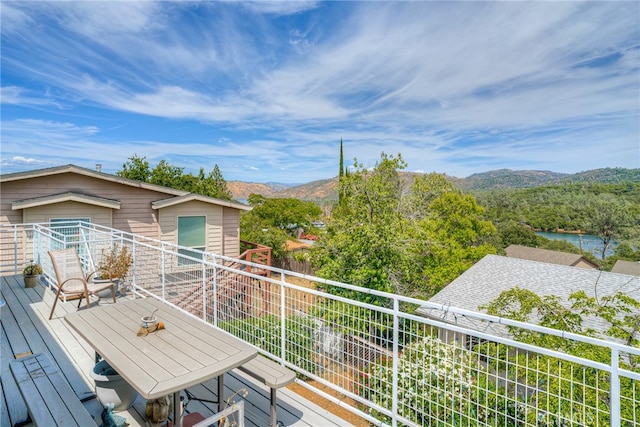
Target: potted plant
114, 265
31, 273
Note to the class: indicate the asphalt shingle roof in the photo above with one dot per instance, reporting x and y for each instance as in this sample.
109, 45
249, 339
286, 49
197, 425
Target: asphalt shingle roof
494, 274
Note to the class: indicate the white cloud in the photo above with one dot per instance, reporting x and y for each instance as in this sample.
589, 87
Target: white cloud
454, 86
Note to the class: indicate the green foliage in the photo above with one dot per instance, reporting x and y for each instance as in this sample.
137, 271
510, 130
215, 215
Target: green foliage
166, 175
414, 242
32, 269
611, 211
512, 233
607, 218
273, 220
575, 390
136, 168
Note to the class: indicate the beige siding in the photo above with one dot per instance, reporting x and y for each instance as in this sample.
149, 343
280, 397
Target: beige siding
65, 210
213, 214
231, 226
134, 216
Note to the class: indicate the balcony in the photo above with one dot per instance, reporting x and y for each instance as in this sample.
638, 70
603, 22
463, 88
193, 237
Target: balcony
377, 360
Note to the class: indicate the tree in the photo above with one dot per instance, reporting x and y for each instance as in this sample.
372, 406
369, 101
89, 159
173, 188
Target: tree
608, 218
273, 220
218, 185
166, 175
341, 173
361, 244
412, 241
136, 168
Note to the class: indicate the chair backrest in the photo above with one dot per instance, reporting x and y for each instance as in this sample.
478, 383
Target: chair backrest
66, 264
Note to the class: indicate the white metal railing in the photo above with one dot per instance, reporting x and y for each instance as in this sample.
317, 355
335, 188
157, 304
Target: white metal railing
389, 365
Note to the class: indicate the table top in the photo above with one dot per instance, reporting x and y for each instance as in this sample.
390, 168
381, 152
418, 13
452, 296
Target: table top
187, 352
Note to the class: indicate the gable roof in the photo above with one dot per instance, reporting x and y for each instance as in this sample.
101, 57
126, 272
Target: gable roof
626, 267
546, 255
69, 196
180, 196
197, 197
493, 274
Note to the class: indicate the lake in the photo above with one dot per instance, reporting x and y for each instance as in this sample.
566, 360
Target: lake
590, 243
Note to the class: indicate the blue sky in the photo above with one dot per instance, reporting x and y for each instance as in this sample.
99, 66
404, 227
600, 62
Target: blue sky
266, 90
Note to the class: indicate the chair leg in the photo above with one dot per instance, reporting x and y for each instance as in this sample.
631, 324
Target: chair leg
86, 296
55, 301
80, 300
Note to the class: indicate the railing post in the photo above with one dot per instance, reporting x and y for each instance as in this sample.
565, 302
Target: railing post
283, 320
204, 290
134, 247
215, 291
394, 366
15, 249
164, 271
614, 388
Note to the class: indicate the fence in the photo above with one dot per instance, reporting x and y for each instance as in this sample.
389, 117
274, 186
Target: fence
393, 367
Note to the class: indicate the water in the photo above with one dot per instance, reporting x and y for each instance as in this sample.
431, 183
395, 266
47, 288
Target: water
590, 243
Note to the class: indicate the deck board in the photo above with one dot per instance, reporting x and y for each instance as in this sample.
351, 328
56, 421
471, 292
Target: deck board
26, 328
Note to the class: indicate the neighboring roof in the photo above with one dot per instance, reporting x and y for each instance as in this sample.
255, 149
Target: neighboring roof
182, 196
70, 196
546, 255
159, 204
297, 244
494, 274
626, 267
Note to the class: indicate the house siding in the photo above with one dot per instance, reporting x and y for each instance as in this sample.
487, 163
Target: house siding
135, 215
214, 223
65, 210
231, 226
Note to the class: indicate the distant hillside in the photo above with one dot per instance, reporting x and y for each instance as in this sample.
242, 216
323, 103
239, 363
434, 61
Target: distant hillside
325, 190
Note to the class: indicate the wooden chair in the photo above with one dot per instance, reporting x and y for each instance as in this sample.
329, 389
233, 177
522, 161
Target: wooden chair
72, 279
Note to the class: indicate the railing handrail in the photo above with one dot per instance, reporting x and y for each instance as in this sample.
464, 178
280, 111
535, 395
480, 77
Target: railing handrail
215, 263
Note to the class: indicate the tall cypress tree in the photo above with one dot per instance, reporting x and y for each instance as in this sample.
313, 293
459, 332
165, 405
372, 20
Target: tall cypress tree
340, 174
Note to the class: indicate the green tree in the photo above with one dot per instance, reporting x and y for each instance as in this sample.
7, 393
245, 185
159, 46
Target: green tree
273, 220
166, 175
412, 241
136, 168
607, 218
362, 240
218, 185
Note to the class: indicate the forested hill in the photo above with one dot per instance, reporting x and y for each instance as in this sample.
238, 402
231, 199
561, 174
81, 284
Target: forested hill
325, 190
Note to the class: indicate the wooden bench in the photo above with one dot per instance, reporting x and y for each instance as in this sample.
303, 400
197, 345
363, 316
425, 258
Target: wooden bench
49, 398
271, 374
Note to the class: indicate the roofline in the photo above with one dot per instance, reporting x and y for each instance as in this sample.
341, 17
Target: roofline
69, 196
165, 203
57, 170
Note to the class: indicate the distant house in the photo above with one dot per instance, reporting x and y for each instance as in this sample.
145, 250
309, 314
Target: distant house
626, 267
493, 274
549, 256
69, 193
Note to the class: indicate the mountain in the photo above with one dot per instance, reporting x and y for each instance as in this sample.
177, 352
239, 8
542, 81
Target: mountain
325, 190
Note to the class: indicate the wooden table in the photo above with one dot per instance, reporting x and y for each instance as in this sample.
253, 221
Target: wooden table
186, 353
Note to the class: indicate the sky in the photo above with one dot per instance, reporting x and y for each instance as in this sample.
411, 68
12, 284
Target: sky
266, 90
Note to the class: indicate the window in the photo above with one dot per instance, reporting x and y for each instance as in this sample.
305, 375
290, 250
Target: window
191, 234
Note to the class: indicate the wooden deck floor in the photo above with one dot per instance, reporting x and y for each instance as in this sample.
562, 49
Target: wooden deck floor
26, 329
